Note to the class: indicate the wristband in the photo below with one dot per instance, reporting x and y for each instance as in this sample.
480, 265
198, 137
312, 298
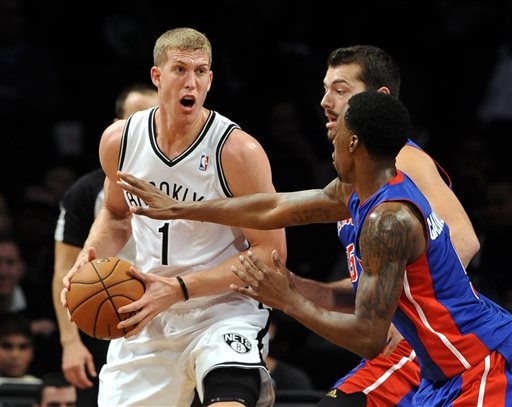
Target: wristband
183, 287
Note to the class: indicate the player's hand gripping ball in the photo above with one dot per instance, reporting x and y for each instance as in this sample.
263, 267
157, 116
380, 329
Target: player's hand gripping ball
97, 291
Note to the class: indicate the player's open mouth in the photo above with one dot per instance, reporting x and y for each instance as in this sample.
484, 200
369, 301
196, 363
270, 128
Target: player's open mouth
187, 102
331, 116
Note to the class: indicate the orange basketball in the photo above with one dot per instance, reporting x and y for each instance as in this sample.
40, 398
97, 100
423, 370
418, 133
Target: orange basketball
97, 291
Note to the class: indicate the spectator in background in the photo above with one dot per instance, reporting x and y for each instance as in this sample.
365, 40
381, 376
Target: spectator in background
16, 346
15, 298
12, 270
83, 356
56, 391
34, 219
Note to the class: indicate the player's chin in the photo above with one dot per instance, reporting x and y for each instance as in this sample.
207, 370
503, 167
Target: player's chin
331, 133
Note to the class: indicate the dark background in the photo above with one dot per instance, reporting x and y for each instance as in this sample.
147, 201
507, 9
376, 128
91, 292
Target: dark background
66, 61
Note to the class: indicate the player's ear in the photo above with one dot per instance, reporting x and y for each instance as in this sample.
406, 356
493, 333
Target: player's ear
384, 89
353, 143
155, 76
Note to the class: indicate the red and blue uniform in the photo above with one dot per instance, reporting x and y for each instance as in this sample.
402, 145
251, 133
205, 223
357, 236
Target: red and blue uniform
462, 340
386, 381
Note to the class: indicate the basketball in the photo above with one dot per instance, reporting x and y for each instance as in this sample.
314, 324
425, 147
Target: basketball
97, 291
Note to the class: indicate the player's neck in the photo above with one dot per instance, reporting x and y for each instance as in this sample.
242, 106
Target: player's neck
372, 176
175, 134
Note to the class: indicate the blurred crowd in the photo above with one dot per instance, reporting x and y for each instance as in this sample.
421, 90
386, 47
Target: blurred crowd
60, 74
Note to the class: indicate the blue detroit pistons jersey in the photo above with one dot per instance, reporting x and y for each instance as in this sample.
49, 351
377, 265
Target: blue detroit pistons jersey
347, 233
450, 326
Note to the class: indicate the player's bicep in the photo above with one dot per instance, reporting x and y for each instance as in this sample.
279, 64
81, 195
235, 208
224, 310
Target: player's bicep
109, 155
385, 251
114, 199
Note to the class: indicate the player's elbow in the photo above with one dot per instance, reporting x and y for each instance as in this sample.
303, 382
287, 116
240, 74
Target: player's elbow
370, 340
474, 246
470, 249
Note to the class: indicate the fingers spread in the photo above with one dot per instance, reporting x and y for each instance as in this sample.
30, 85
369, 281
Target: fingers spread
242, 275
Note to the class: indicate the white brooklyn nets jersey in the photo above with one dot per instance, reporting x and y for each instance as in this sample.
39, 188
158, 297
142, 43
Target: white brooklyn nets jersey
172, 247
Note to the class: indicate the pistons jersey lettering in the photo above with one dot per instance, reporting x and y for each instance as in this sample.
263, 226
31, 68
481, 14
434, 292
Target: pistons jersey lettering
435, 225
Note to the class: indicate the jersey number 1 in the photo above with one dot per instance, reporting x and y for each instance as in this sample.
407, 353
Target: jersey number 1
164, 230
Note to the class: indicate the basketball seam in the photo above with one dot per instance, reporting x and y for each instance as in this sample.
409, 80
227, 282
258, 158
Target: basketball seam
108, 300
109, 297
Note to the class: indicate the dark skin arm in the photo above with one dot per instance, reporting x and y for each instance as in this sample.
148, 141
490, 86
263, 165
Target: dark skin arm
336, 295
258, 211
264, 211
392, 236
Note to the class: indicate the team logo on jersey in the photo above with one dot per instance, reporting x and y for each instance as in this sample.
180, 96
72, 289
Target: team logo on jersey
238, 342
203, 162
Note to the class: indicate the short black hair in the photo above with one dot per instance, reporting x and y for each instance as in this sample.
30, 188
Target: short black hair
380, 121
15, 323
378, 68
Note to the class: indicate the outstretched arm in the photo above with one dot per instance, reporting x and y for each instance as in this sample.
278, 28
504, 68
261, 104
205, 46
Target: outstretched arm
257, 211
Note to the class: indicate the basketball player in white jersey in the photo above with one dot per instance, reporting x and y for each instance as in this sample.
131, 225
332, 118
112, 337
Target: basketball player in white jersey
201, 333
83, 356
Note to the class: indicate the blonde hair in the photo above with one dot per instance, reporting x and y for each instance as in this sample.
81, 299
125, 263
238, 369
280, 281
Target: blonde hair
183, 38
